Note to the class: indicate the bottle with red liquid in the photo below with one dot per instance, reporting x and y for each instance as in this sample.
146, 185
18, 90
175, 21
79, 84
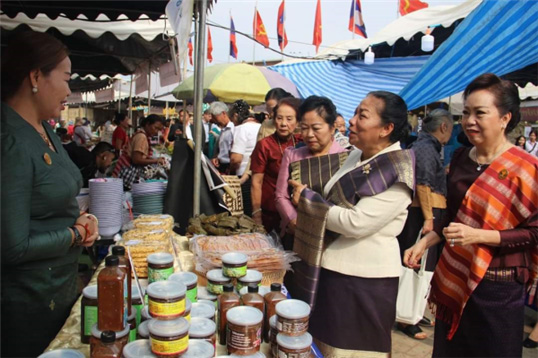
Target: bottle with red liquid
227, 299
112, 296
126, 266
254, 299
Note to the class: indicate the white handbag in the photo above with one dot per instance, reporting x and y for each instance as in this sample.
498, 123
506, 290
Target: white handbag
413, 291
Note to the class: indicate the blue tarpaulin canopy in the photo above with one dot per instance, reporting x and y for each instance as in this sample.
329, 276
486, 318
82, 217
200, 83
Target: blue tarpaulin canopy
347, 83
498, 36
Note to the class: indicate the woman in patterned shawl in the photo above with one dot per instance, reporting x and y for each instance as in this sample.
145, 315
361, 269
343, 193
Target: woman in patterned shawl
353, 274
490, 231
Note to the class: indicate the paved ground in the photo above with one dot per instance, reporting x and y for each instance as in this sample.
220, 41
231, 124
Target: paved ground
405, 347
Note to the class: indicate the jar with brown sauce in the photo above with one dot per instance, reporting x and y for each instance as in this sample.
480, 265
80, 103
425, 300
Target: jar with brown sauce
244, 333
228, 299
294, 347
112, 296
292, 317
126, 266
271, 299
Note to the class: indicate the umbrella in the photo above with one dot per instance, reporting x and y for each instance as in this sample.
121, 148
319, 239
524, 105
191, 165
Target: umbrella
230, 82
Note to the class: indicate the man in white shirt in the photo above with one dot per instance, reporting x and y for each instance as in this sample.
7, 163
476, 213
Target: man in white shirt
219, 113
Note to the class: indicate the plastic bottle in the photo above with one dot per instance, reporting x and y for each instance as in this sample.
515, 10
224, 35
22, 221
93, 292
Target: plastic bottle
254, 299
126, 266
271, 299
106, 347
228, 299
112, 296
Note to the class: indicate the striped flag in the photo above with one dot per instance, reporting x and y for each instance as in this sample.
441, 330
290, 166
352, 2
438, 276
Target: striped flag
281, 31
317, 27
356, 24
233, 44
407, 6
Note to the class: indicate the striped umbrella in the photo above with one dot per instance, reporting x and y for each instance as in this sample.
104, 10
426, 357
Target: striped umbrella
230, 82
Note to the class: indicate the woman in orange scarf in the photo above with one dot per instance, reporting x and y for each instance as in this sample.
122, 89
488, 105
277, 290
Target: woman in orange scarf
491, 232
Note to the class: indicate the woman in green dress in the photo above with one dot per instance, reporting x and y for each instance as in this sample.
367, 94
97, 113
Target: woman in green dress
42, 229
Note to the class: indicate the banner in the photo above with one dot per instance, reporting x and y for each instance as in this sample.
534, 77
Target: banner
105, 95
167, 74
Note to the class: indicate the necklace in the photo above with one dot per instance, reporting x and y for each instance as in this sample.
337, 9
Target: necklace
280, 144
479, 166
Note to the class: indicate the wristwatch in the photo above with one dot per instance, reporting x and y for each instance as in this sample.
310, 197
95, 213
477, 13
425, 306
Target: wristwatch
78, 238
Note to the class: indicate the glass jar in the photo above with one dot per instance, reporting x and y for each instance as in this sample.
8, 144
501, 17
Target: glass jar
166, 299
294, 346
160, 266
169, 338
204, 329
234, 264
215, 281
244, 334
190, 280
292, 317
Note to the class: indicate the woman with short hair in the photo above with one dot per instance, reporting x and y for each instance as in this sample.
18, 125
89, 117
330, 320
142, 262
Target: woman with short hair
490, 231
352, 271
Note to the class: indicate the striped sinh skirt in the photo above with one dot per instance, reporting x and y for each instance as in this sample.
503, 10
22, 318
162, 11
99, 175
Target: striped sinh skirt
353, 316
491, 324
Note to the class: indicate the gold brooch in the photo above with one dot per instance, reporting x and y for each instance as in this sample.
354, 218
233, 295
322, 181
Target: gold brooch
366, 169
47, 159
503, 174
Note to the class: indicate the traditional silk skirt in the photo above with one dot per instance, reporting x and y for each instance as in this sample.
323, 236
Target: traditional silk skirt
353, 316
491, 324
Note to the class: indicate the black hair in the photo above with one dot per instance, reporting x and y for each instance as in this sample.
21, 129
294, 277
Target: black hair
323, 106
277, 94
505, 93
394, 111
102, 147
151, 119
119, 117
241, 108
533, 131
60, 131
292, 102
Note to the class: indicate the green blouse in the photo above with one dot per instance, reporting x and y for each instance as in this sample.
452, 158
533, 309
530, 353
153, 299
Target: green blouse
38, 193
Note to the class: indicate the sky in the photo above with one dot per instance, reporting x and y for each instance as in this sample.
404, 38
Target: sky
299, 24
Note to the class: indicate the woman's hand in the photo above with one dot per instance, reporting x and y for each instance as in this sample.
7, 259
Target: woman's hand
297, 190
427, 226
461, 234
161, 161
215, 162
290, 229
90, 222
257, 216
413, 254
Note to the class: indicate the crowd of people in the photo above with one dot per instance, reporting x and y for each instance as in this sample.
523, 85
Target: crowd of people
351, 202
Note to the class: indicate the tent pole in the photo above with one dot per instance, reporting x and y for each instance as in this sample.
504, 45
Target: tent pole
198, 101
119, 98
149, 89
131, 102
166, 110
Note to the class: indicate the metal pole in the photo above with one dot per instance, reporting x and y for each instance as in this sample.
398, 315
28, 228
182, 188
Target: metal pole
254, 34
131, 102
149, 89
198, 101
119, 98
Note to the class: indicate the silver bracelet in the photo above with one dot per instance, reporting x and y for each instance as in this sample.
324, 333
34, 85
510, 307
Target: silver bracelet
256, 211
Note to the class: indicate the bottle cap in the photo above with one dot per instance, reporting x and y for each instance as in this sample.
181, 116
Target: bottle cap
276, 287
108, 336
118, 250
228, 287
252, 288
112, 261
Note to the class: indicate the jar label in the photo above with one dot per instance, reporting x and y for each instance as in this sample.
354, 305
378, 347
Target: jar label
90, 318
214, 288
132, 335
244, 339
297, 354
234, 271
292, 327
175, 347
159, 309
192, 294
155, 275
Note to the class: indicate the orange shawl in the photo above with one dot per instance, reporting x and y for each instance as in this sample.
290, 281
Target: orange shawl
501, 198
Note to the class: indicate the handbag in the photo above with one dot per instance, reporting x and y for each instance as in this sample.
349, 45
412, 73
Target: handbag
413, 290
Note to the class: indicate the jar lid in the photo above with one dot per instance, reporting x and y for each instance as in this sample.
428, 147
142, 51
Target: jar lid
138, 349
112, 261
133, 314
143, 329
292, 309
251, 276
62, 353
166, 289
96, 332
204, 294
200, 309
175, 327
202, 327
199, 349
118, 250
160, 258
90, 292
188, 278
272, 321
255, 355
244, 315
135, 293
217, 276
298, 342
234, 258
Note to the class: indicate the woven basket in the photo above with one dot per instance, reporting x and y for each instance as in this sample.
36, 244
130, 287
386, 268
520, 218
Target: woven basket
234, 205
268, 277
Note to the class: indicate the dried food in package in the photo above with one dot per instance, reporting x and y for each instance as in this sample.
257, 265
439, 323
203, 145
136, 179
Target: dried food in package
264, 253
153, 222
143, 235
139, 251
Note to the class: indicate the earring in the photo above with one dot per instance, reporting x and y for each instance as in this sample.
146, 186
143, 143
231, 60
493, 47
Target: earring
34, 89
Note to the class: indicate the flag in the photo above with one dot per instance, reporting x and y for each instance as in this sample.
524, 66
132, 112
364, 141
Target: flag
209, 46
317, 27
407, 6
355, 19
233, 44
260, 34
190, 50
281, 31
